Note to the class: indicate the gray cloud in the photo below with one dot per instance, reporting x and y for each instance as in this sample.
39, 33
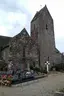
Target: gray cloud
8, 5
13, 6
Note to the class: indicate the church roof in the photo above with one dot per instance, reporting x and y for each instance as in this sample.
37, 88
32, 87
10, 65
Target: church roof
36, 16
38, 13
22, 33
4, 40
56, 50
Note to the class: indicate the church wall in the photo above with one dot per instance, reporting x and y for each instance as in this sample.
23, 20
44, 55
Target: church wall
5, 54
16, 53
57, 58
46, 39
25, 50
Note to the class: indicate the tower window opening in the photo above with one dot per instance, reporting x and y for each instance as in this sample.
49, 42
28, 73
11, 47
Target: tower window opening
46, 27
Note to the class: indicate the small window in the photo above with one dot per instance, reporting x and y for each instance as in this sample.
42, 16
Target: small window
48, 58
34, 26
46, 27
24, 51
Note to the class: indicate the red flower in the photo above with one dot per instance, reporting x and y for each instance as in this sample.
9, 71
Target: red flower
9, 76
4, 76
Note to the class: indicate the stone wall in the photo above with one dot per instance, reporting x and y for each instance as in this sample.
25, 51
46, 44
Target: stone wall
42, 25
5, 53
18, 51
57, 57
23, 52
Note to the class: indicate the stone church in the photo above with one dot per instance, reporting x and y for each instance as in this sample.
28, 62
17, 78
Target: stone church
24, 50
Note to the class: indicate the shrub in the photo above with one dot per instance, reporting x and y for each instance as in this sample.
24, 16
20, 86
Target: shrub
9, 77
37, 69
45, 70
31, 67
61, 90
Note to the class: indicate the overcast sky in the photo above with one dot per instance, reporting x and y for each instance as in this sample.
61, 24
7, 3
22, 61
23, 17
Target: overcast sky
17, 14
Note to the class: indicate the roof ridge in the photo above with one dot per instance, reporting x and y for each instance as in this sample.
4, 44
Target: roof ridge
23, 30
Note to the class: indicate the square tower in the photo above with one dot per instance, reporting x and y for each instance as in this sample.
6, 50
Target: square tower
42, 32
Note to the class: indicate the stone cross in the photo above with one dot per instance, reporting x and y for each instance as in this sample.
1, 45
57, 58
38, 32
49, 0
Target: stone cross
47, 65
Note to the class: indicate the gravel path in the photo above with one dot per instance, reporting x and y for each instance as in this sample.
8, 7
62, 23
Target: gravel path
42, 87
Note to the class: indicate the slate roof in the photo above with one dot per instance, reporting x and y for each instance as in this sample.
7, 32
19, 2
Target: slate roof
36, 16
22, 33
56, 50
4, 40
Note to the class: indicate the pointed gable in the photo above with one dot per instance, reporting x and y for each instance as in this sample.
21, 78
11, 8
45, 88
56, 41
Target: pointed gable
44, 9
22, 33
